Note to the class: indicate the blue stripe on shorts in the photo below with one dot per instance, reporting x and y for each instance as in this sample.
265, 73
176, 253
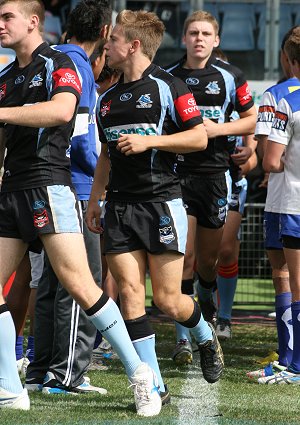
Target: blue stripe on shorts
63, 208
179, 217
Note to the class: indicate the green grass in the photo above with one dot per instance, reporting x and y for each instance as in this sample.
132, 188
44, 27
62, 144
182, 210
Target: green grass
239, 401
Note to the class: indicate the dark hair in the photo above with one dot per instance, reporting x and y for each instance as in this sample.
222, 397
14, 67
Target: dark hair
107, 72
88, 18
287, 36
292, 45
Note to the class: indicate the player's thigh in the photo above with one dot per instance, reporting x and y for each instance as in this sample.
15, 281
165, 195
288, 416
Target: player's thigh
166, 274
12, 252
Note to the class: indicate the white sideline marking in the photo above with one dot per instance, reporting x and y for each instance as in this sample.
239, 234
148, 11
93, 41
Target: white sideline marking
198, 401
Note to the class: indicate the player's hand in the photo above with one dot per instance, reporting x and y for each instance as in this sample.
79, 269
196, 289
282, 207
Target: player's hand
92, 217
212, 128
264, 182
131, 144
241, 155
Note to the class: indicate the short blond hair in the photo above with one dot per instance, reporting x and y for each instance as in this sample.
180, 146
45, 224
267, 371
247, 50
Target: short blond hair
30, 7
143, 26
201, 15
292, 45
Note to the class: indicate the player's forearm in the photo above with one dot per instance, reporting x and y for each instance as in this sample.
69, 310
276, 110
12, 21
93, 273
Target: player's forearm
192, 140
240, 127
101, 177
52, 113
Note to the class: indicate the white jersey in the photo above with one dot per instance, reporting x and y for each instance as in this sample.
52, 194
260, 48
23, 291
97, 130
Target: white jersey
286, 130
266, 113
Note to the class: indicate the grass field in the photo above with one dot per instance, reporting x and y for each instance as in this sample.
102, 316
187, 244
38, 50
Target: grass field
233, 400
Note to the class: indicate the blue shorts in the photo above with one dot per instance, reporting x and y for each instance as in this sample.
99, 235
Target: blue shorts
272, 235
290, 225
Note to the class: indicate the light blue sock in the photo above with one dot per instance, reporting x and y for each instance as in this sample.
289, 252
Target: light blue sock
226, 289
202, 332
9, 377
182, 332
109, 322
146, 351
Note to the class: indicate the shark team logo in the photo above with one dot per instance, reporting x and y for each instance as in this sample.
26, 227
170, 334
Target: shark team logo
166, 235
37, 81
212, 88
144, 101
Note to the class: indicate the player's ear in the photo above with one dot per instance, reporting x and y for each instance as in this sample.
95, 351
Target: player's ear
217, 41
105, 32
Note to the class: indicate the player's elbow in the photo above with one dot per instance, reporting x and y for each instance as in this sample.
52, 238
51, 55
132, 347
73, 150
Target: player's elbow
200, 139
66, 116
270, 165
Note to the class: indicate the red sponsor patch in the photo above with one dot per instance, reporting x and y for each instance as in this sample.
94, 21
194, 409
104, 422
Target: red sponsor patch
186, 107
265, 113
244, 94
40, 219
2, 91
66, 77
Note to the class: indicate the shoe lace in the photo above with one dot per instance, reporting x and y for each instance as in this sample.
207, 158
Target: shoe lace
141, 391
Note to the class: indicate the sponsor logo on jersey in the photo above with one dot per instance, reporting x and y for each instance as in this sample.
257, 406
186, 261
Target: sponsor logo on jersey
222, 202
164, 220
2, 91
143, 129
105, 108
266, 113
20, 79
180, 157
144, 101
125, 96
192, 81
38, 204
212, 112
186, 107
166, 235
66, 78
41, 219
37, 81
212, 88
244, 94
280, 121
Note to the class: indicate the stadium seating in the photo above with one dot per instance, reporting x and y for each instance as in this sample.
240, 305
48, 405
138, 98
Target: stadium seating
238, 26
285, 23
52, 28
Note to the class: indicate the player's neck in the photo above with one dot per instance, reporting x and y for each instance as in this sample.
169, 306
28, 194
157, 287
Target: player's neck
195, 63
24, 51
134, 70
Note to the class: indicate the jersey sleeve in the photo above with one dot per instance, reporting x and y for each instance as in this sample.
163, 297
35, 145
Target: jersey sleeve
282, 125
184, 110
65, 77
266, 113
243, 96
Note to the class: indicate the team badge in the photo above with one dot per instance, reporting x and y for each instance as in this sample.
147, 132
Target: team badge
105, 108
2, 91
166, 235
41, 219
37, 81
164, 220
144, 101
212, 88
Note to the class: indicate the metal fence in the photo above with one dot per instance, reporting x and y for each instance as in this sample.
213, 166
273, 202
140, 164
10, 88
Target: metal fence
255, 286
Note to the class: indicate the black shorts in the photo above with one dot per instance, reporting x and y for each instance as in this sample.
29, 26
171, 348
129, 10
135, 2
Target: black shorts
205, 197
154, 227
26, 214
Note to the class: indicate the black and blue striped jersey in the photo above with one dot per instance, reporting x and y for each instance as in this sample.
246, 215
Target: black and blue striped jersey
37, 156
219, 89
156, 104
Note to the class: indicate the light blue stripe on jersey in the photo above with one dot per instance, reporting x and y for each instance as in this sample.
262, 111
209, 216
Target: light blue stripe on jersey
179, 217
166, 101
229, 84
63, 207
